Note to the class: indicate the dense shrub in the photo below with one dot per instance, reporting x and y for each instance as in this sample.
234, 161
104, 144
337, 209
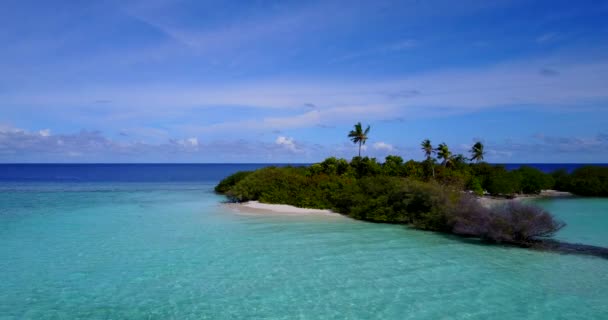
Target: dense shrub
475, 186
533, 180
589, 181
561, 179
395, 200
330, 166
288, 185
505, 183
277, 183
513, 222
428, 168
415, 170
450, 176
364, 166
483, 170
230, 181
393, 166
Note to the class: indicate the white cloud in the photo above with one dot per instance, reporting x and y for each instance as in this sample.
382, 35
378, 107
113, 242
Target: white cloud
45, 132
18, 145
383, 146
499, 154
189, 144
287, 143
193, 141
4, 128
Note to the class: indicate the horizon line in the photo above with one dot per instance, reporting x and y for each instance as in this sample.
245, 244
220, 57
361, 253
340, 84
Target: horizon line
197, 163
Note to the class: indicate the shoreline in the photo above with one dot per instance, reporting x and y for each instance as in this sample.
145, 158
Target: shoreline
259, 208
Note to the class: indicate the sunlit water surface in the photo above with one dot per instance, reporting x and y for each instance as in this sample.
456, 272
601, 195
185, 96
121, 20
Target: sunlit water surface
171, 251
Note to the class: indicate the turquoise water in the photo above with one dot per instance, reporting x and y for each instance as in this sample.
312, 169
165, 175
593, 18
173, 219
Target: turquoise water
170, 251
587, 219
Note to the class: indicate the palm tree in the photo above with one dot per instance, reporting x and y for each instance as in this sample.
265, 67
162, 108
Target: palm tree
427, 147
358, 135
477, 152
459, 159
443, 152
428, 150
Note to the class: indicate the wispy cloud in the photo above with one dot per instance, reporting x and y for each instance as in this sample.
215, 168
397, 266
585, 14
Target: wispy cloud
315, 118
545, 148
459, 90
383, 146
378, 51
547, 37
272, 24
548, 72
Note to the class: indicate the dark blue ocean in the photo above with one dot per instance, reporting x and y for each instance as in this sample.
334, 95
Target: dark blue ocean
167, 172
550, 167
122, 172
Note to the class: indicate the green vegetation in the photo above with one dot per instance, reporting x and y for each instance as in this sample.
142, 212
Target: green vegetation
230, 181
420, 194
396, 192
584, 181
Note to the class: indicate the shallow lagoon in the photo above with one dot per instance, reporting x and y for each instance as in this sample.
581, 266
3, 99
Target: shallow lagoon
171, 251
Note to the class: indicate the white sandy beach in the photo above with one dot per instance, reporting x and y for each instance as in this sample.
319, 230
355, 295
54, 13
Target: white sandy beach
256, 207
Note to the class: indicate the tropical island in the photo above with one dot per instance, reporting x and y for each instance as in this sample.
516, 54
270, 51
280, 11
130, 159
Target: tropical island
441, 193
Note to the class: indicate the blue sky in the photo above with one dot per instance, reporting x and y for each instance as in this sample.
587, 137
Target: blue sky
284, 81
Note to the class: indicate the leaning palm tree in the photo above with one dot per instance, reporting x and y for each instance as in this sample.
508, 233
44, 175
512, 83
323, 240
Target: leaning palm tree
443, 152
358, 135
428, 150
477, 152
